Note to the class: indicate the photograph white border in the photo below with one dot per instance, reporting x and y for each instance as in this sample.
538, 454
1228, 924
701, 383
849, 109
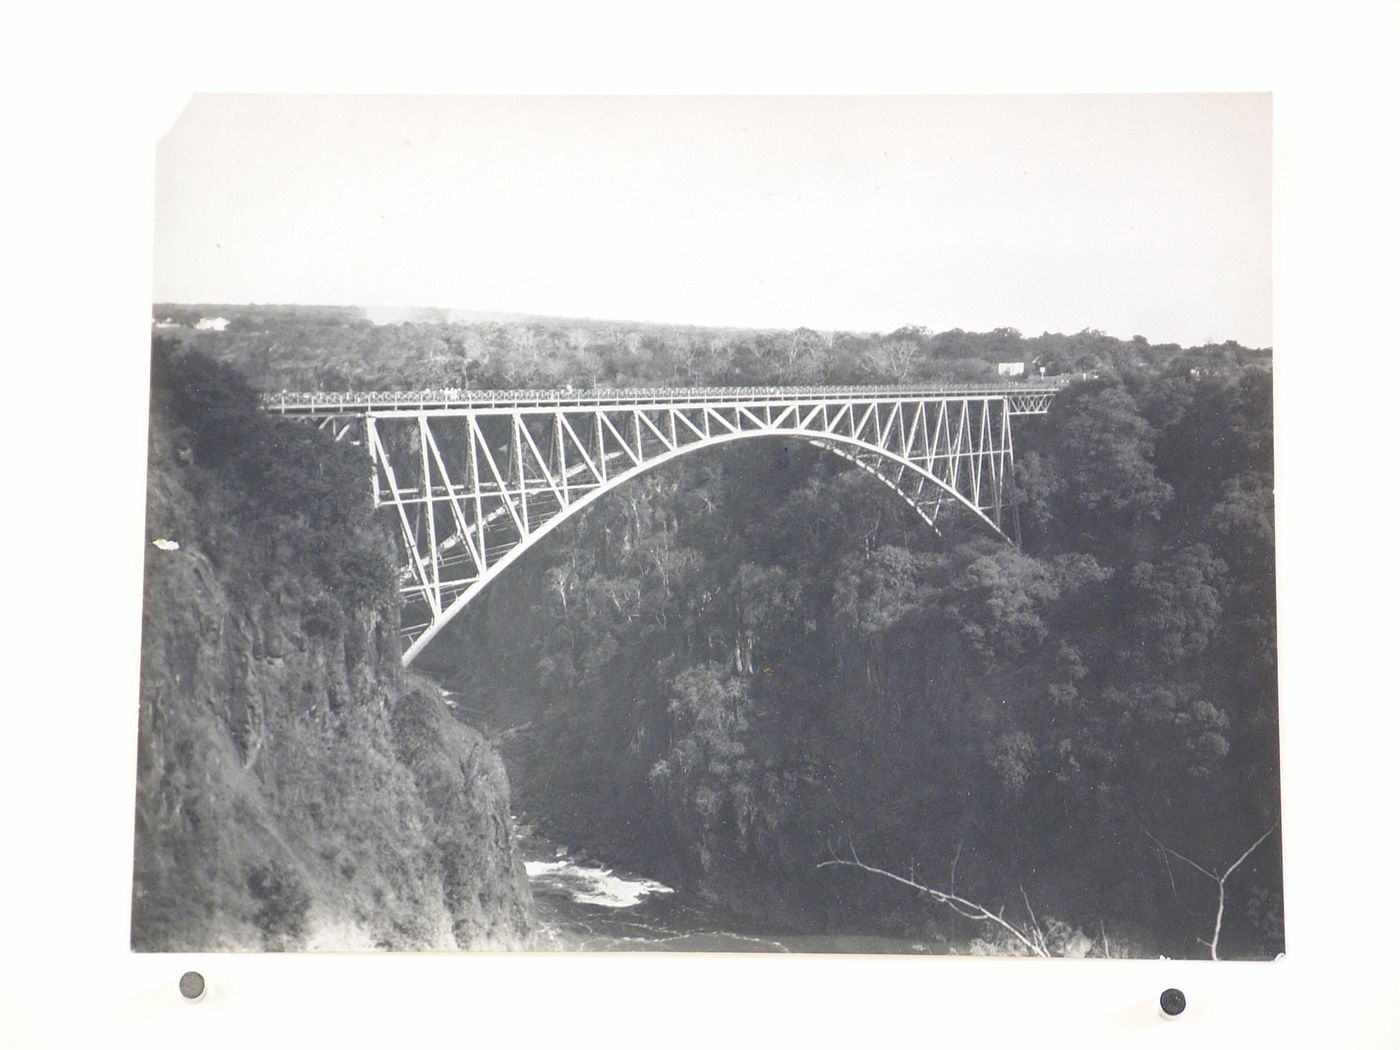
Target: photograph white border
91, 97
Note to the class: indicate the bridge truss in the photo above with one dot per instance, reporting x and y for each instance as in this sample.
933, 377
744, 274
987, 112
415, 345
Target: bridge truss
475, 480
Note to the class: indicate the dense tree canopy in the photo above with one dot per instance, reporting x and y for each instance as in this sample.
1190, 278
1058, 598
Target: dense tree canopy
336, 348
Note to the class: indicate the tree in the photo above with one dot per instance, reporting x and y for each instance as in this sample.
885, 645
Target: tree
894, 358
875, 591
1173, 608
1101, 451
797, 355
1000, 600
706, 779
1219, 879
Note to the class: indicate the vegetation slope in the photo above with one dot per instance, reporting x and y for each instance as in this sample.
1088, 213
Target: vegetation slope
295, 789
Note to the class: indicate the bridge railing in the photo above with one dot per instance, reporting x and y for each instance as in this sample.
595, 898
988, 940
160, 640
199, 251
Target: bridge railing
370, 400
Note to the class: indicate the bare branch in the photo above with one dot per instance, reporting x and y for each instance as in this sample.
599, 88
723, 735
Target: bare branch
964, 907
1166, 863
1178, 856
1243, 856
1035, 923
1214, 943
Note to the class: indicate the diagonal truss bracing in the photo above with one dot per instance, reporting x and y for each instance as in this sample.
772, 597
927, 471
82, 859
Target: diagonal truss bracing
474, 482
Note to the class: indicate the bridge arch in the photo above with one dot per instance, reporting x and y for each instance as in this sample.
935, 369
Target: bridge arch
908, 491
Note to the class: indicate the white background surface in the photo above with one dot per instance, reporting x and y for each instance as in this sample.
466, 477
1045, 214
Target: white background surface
87, 94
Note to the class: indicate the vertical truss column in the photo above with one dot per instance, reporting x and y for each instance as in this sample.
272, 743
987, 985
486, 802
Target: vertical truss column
434, 555
1010, 471
396, 497
474, 480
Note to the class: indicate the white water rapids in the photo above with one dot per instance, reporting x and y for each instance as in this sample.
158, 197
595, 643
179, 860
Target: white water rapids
591, 884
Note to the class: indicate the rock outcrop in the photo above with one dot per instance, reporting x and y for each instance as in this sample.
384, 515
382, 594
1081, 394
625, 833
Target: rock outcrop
295, 788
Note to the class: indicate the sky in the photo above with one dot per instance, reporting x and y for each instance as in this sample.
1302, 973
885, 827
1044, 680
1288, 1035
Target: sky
1133, 214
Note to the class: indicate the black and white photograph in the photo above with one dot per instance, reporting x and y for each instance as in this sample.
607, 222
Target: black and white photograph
761, 524
712, 524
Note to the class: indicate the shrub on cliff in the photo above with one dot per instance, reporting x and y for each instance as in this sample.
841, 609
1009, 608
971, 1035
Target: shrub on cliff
283, 902
301, 497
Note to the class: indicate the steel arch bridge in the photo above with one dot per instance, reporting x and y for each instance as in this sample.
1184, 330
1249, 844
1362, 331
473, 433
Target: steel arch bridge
474, 479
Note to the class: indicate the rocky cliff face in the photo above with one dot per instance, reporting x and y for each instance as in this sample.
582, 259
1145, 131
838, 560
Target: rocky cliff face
295, 788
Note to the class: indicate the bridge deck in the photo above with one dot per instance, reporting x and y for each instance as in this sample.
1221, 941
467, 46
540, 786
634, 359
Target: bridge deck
361, 402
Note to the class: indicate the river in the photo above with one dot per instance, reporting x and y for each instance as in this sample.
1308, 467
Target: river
585, 906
